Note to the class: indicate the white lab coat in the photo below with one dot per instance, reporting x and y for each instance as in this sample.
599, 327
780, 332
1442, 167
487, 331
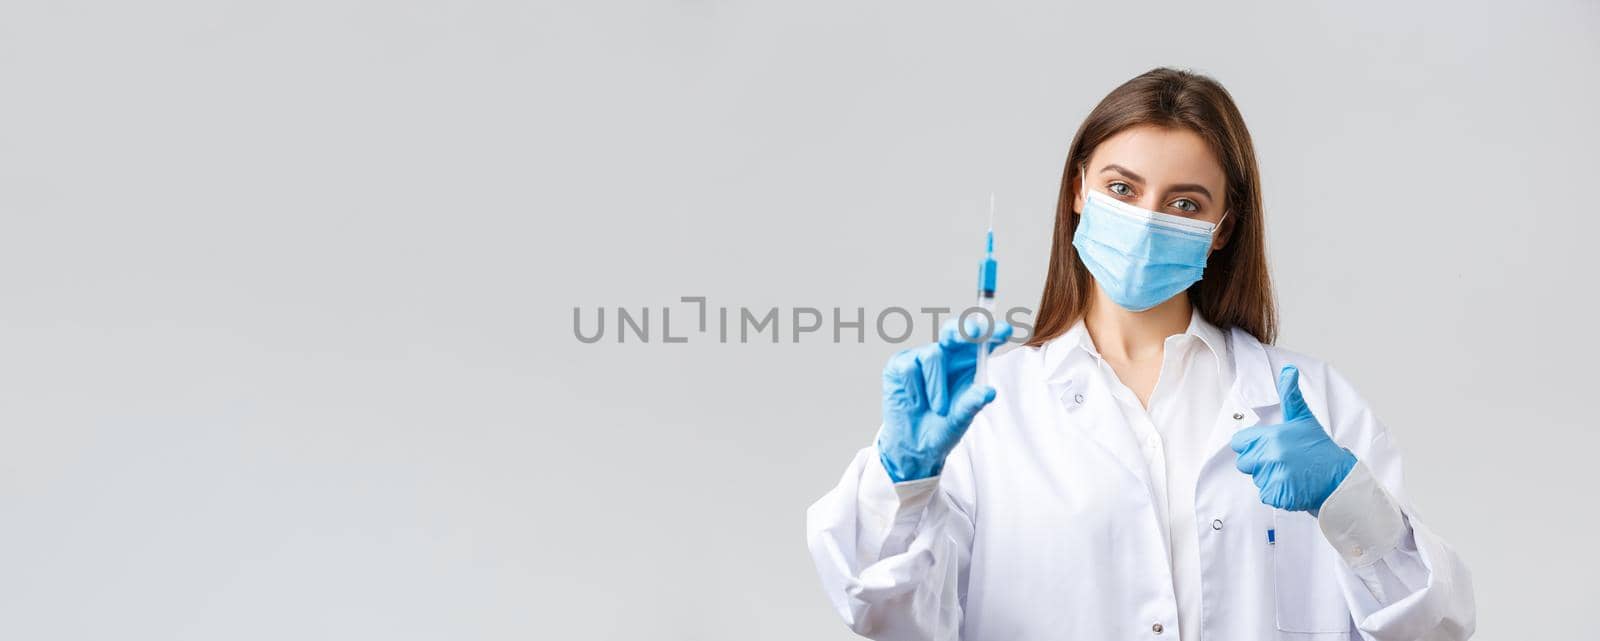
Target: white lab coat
1042, 525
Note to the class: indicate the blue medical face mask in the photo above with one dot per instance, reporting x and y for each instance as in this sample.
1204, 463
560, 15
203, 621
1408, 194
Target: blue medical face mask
1140, 257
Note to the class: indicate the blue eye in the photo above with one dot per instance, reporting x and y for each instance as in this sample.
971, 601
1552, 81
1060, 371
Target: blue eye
1120, 188
1186, 205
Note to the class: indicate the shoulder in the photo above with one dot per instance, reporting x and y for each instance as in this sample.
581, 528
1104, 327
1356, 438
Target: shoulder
1018, 380
1016, 376
1315, 373
1255, 359
1313, 370
1014, 364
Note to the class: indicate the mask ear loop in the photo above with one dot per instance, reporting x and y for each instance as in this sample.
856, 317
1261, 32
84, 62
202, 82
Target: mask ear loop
1224, 214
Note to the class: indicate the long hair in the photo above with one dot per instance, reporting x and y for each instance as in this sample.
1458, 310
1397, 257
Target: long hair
1236, 290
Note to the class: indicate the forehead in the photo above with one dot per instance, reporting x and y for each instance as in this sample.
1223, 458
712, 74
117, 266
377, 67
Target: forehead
1161, 155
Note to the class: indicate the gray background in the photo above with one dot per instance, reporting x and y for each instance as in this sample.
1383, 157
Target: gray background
286, 289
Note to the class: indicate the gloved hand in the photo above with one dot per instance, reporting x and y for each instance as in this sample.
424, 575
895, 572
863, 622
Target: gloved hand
1294, 464
929, 400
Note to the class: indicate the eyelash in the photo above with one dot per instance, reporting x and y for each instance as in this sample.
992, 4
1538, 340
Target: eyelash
1193, 204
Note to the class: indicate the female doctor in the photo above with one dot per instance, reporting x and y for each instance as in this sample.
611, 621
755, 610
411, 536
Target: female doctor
1148, 465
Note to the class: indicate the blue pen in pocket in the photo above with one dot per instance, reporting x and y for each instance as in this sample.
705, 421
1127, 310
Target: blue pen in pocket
1272, 536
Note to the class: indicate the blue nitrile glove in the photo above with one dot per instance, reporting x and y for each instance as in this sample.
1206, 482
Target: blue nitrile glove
1294, 464
929, 400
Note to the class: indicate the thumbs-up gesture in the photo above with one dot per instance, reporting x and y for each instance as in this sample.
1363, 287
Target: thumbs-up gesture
1294, 463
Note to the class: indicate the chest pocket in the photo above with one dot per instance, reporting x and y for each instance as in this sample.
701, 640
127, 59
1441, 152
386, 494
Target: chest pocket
1306, 567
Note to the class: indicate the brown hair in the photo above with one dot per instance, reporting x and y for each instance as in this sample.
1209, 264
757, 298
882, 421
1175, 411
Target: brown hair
1236, 290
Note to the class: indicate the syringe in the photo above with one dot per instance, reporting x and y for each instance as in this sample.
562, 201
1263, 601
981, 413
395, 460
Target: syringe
986, 278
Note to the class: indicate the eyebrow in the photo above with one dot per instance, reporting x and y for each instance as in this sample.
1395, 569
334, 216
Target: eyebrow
1140, 179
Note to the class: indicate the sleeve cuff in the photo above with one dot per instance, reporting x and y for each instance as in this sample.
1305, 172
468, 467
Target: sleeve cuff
904, 500
1360, 519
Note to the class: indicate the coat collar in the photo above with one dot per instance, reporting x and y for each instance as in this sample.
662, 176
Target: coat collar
1249, 399
1254, 384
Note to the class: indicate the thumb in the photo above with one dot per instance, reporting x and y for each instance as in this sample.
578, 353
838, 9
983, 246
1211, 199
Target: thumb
966, 407
1294, 405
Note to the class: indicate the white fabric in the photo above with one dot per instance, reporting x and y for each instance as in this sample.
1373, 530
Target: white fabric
1053, 520
1172, 437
